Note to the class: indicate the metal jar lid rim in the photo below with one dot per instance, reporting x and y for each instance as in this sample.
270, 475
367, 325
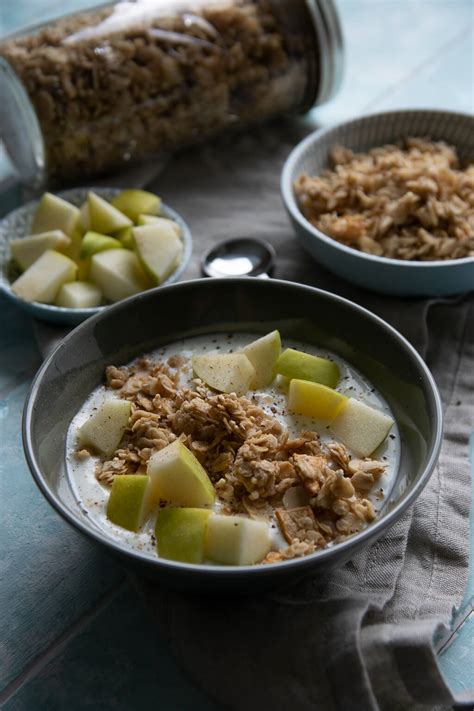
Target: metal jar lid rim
328, 66
20, 129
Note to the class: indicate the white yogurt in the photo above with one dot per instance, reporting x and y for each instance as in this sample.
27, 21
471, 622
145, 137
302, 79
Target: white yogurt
92, 496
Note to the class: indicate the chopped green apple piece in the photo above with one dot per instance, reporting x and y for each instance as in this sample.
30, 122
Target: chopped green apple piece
105, 428
302, 366
127, 505
235, 540
84, 220
125, 236
54, 213
79, 295
153, 219
225, 372
42, 281
73, 250
159, 250
360, 427
117, 272
263, 354
315, 400
93, 242
104, 217
180, 534
27, 250
83, 269
178, 477
135, 202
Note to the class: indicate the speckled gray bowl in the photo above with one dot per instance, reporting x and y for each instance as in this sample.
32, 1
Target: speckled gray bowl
144, 322
17, 225
389, 276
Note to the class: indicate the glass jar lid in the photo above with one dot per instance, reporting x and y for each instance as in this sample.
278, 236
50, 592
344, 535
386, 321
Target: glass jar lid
328, 65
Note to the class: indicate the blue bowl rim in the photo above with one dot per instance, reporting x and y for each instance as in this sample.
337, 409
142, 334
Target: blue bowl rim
297, 564
42, 310
292, 206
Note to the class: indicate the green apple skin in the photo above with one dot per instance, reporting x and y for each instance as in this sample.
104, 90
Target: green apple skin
181, 533
118, 273
126, 238
263, 354
236, 540
83, 269
41, 282
302, 366
159, 250
315, 400
73, 250
104, 429
27, 250
225, 372
79, 295
135, 202
93, 243
54, 213
104, 217
361, 428
127, 501
176, 476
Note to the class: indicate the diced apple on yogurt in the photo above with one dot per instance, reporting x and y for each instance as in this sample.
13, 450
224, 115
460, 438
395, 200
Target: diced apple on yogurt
361, 427
105, 428
236, 540
250, 369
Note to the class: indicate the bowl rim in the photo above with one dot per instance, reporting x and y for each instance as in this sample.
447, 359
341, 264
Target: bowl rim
294, 565
289, 199
40, 309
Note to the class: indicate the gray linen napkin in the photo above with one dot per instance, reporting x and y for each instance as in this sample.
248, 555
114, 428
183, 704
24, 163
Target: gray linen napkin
361, 638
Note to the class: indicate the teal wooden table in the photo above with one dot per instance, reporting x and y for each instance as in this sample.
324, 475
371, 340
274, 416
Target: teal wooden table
73, 633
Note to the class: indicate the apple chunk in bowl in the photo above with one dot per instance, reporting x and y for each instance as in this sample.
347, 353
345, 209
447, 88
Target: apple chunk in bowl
67, 256
212, 312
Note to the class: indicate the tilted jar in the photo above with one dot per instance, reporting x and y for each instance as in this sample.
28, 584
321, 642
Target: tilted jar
91, 91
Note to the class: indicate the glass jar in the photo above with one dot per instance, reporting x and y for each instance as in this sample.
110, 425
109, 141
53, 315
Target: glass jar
94, 90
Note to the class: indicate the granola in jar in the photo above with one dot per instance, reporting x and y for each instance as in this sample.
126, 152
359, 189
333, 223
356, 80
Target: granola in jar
128, 80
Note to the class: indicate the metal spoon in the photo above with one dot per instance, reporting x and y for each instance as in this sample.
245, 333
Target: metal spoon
240, 256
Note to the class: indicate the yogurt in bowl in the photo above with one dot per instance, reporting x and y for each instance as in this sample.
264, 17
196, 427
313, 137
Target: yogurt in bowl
267, 462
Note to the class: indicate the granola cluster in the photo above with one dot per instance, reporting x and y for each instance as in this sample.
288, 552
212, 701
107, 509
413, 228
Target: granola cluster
411, 203
316, 493
128, 81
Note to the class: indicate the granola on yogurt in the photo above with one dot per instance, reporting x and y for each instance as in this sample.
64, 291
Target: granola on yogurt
316, 493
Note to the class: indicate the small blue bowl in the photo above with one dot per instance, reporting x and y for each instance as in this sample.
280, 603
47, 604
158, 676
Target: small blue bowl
17, 224
389, 276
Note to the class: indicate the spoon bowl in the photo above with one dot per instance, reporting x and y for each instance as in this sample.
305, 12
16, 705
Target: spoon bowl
239, 257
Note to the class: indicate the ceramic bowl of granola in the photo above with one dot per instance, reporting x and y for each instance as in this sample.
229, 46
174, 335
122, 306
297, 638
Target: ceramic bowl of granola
218, 473
385, 201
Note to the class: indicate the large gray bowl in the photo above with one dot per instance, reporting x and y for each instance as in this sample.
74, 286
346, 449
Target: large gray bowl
143, 322
389, 276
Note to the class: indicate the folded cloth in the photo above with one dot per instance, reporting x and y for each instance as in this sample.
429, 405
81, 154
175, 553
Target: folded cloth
362, 637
